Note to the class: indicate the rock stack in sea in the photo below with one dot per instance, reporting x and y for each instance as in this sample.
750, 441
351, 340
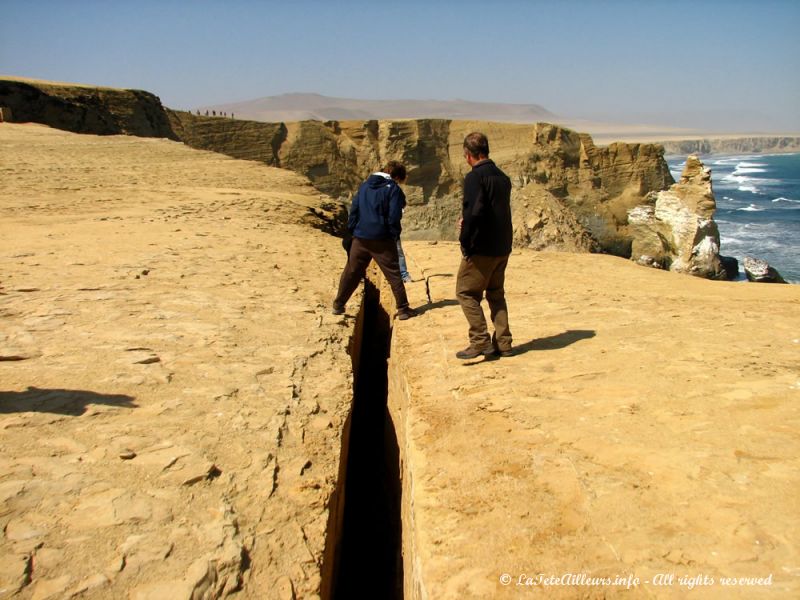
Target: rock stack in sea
675, 228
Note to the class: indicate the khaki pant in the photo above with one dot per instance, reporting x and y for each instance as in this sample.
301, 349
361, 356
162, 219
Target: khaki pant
477, 275
361, 252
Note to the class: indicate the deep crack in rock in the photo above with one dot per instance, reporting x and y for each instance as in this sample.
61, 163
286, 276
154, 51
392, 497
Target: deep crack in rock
367, 547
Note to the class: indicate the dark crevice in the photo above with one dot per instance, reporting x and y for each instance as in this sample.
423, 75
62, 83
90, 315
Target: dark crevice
246, 560
369, 556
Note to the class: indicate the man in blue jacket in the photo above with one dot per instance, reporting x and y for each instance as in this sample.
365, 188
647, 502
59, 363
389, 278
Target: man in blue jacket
486, 235
375, 216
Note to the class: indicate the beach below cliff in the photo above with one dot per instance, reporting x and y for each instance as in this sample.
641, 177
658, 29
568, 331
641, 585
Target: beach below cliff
176, 396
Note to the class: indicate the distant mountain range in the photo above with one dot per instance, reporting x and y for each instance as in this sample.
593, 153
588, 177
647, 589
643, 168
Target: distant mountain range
299, 107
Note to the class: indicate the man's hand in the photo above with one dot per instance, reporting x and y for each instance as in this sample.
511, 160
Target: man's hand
460, 225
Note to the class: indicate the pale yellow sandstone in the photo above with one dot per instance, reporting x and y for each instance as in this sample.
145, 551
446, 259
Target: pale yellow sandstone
645, 426
119, 250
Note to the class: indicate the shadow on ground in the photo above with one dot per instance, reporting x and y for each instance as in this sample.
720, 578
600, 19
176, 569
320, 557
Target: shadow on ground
555, 342
434, 305
62, 402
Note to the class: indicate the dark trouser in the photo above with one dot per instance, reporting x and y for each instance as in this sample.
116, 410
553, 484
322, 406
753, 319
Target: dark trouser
477, 275
361, 252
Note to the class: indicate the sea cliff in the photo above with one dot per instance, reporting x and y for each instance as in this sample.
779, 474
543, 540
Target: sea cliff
568, 192
734, 145
558, 171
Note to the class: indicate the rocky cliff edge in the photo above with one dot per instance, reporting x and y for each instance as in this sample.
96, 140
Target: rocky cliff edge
572, 193
568, 192
85, 109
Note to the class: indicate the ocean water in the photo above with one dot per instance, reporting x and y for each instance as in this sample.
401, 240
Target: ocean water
758, 207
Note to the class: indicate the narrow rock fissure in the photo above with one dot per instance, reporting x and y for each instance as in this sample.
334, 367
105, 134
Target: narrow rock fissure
369, 560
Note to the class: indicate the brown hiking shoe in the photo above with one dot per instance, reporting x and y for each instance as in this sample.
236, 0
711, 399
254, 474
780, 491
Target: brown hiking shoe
470, 352
406, 313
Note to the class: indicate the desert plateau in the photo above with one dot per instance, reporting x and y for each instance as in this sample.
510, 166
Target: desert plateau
182, 416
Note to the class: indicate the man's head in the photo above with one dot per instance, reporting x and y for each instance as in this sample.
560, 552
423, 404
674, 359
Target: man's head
396, 170
476, 147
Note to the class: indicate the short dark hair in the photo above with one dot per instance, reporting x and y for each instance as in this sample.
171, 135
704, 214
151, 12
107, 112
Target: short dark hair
396, 170
476, 144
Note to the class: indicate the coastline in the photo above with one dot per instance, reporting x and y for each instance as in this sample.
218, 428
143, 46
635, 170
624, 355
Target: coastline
712, 145
756, 206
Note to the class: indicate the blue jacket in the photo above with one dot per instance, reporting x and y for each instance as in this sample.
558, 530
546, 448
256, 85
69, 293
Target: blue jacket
377, 209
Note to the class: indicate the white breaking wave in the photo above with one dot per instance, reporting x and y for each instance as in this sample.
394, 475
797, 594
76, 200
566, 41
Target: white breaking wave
745, 170
751, 208
744, 183
738, 160
744, 167
782, 199
735, 178
729, 241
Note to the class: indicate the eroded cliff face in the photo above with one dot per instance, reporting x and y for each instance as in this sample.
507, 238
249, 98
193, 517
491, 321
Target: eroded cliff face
568, 193
247, 140
85, 109
576, 195
743, 145
541, 223
595, 184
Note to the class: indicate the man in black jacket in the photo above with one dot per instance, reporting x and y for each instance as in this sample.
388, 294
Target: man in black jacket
374, 221
485, 246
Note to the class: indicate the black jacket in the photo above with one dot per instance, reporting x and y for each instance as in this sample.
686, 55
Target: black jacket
486, 229
377, 209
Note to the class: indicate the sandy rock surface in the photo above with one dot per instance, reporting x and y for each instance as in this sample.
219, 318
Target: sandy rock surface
173, 392
647, 425
172, 385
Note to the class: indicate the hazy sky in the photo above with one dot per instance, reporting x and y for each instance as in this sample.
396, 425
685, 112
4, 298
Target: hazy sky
732, 64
